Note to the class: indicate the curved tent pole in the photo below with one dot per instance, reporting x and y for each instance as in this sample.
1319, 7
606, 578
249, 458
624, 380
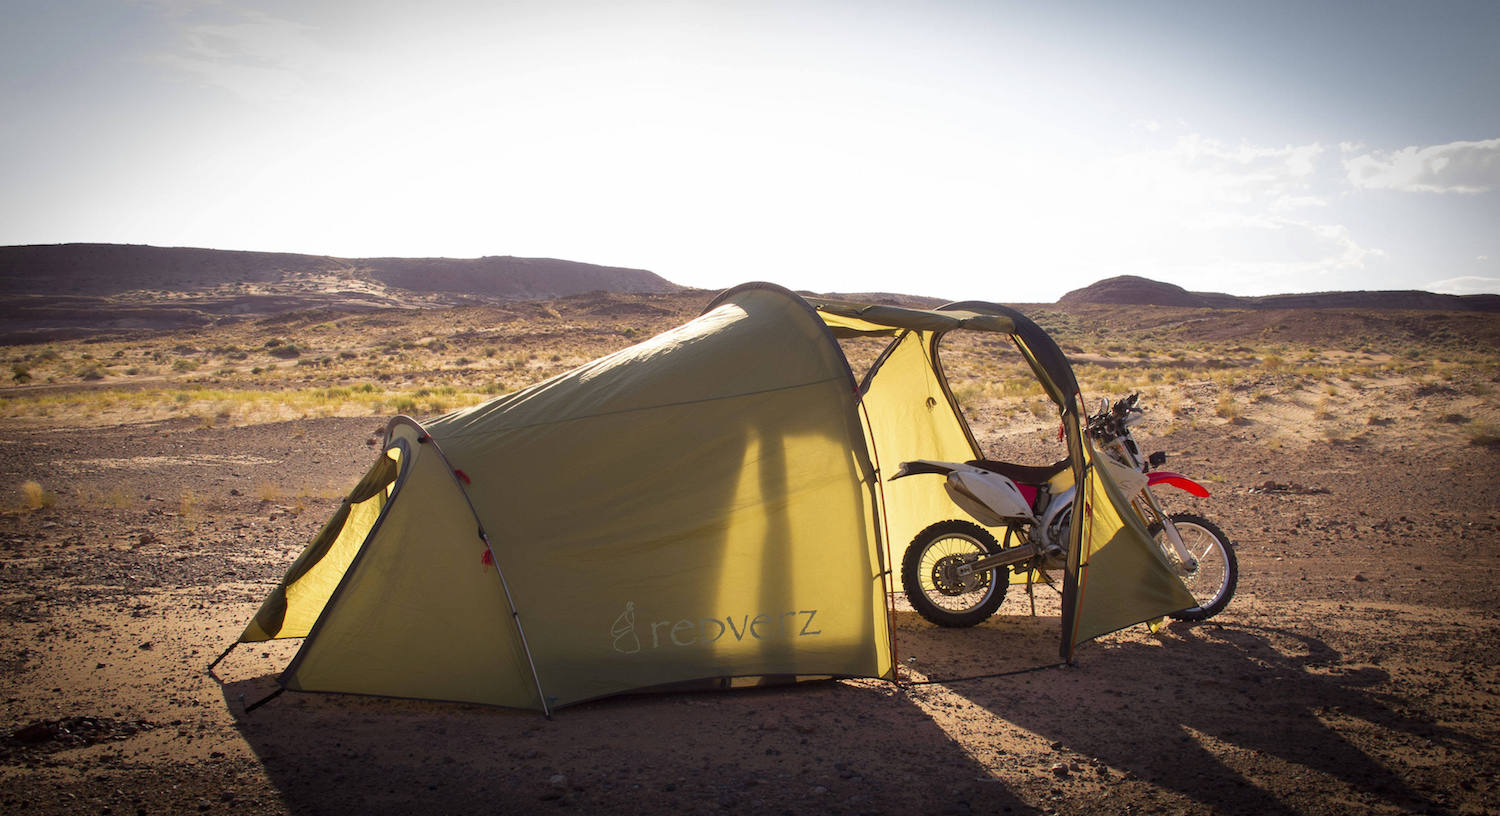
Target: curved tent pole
1051, 366
426, 438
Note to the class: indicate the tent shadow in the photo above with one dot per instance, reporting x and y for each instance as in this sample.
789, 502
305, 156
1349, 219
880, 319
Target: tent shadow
832, 747
1175, 710
1010, 641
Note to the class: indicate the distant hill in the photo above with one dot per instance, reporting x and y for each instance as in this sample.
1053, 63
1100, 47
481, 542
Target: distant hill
63, 290
1136, 291
111, 269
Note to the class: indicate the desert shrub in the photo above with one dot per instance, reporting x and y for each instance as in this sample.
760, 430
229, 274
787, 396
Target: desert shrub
185, 365
34, 497
20, 372
285, 351
1228, 407
92, 372
1486, 434
346, 354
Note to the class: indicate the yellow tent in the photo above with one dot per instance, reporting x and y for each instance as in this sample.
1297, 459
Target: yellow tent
704, 508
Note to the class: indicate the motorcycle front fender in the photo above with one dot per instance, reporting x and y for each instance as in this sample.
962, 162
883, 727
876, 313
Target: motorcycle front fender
1176, 480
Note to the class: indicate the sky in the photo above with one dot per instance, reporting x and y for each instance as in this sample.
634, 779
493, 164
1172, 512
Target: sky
1006, 151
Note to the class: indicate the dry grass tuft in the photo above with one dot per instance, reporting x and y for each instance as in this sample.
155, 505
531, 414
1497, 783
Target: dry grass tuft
188, 506
1485, 434
34, 497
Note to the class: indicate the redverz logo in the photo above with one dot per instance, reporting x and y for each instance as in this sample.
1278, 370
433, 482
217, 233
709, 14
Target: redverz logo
628, 637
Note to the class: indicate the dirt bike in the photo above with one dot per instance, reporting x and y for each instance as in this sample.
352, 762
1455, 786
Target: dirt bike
955, 572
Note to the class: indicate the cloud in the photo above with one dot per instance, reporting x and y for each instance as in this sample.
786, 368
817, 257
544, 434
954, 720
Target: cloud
256, 56
1231, 216
1247, 173
1464, 285
1456, 167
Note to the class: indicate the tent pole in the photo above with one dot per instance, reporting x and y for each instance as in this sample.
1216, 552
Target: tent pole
882, 532
516, 616
426, 438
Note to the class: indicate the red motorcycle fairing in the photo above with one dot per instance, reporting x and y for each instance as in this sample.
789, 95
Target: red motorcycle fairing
1178, 481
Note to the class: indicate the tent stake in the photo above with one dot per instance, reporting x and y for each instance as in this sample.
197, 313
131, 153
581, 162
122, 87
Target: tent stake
221, 656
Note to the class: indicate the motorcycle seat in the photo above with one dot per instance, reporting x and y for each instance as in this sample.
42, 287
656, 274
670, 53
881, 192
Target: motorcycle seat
1023, 474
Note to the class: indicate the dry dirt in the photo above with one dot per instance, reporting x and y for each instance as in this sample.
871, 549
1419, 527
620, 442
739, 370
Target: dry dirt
1355, 671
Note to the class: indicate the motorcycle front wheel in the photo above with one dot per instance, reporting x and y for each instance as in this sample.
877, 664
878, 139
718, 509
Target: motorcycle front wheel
931, 580
1212, 583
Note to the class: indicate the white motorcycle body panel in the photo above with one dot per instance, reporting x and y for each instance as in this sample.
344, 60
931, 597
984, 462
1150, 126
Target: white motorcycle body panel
990, 498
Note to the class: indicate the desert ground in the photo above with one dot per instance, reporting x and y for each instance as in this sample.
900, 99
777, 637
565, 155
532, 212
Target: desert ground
157, 485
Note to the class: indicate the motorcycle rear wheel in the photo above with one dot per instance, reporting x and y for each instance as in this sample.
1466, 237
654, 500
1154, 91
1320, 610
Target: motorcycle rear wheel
1218, 572
936, 591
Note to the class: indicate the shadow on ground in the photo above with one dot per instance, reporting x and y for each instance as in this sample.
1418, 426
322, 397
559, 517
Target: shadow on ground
1177, 710
779, 750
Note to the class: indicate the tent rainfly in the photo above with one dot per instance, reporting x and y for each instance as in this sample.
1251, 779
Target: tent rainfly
705, 508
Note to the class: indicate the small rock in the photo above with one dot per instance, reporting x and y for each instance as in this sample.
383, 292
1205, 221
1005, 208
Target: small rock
1360, 578
1061, 770
558, 780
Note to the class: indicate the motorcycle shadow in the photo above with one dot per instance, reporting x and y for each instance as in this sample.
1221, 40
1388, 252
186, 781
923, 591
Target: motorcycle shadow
1024, 634
1175, 708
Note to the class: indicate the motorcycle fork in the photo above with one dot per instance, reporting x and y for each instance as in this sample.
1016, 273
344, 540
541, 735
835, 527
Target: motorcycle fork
1151, 511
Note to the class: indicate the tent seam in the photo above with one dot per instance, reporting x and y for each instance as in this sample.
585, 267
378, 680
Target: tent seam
808, 384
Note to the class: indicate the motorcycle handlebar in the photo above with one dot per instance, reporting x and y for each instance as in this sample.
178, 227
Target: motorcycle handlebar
1112, 420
